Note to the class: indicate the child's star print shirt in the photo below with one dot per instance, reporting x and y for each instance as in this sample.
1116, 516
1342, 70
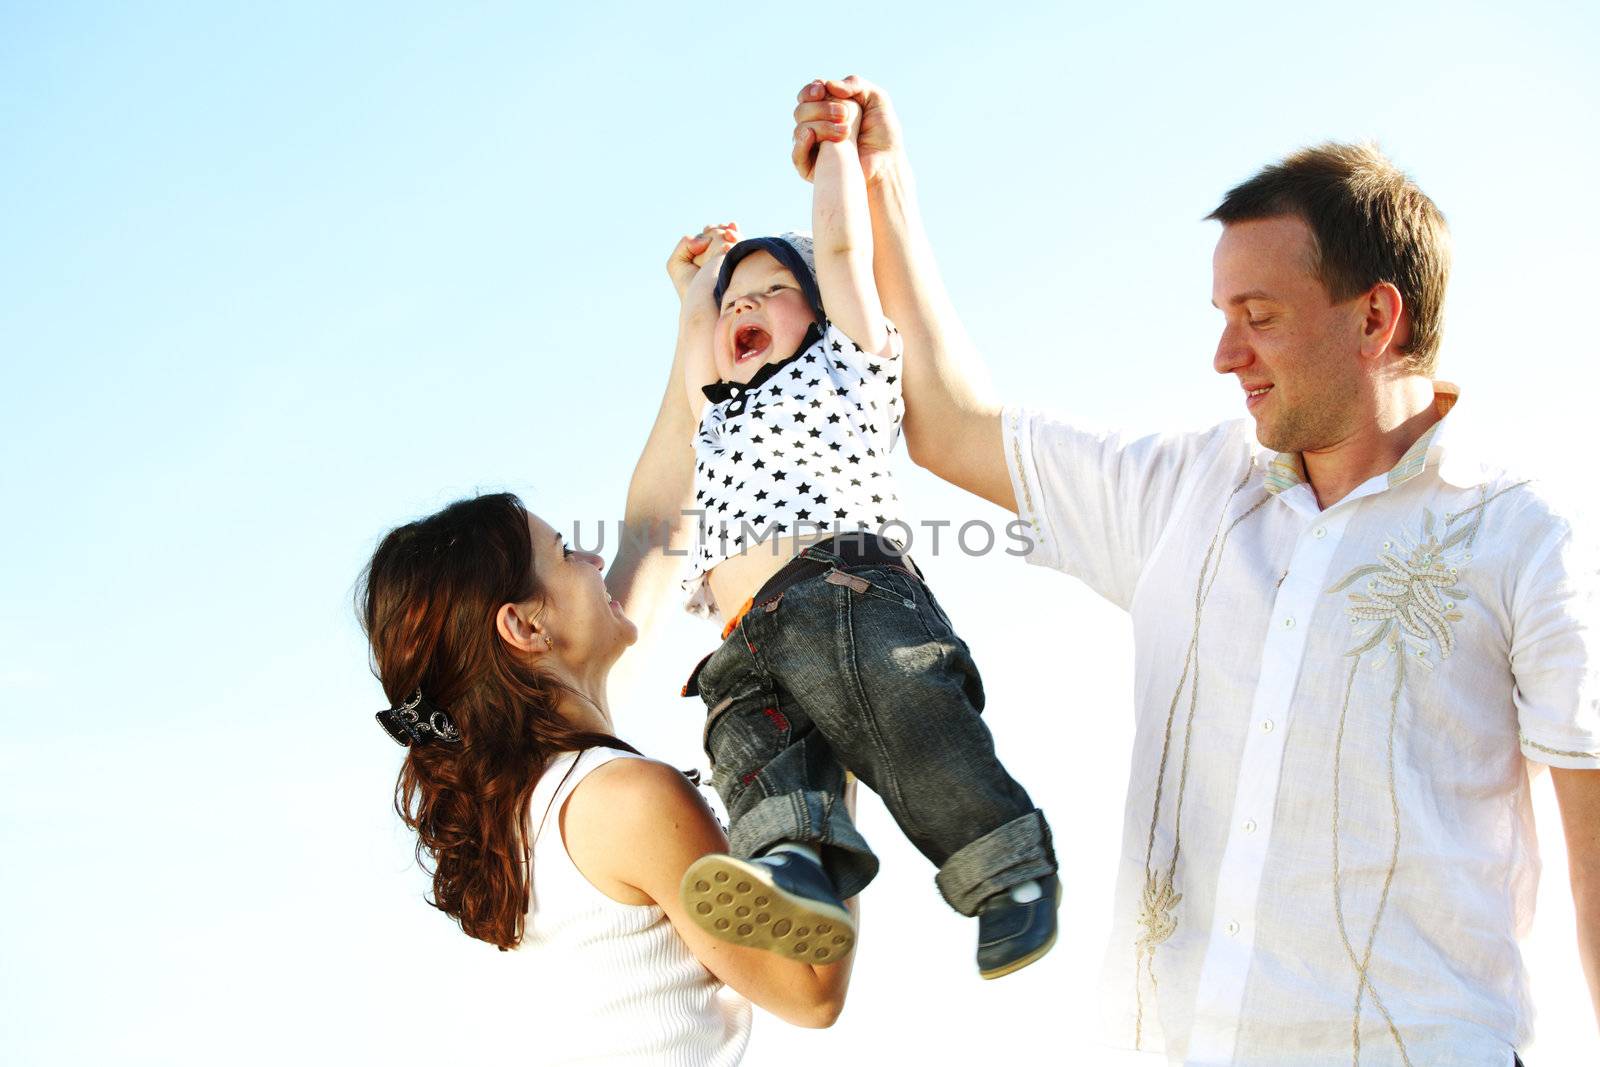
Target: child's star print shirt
803, 445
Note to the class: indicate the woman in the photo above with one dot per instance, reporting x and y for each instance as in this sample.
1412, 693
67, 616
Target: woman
493, 641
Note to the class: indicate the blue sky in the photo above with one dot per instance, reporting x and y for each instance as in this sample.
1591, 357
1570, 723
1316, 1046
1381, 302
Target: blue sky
275, 278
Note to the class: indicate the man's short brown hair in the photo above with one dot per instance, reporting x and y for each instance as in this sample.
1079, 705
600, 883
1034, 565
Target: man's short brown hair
1371, 223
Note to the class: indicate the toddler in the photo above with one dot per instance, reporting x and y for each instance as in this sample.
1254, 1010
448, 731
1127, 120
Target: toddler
835, 653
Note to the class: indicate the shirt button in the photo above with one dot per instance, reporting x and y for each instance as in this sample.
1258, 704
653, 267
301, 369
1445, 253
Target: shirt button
1249, 826
1320, 532
1233, 929
1266, 726
1288, 624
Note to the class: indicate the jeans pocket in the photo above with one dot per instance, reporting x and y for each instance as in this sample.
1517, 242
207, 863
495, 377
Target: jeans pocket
875, 582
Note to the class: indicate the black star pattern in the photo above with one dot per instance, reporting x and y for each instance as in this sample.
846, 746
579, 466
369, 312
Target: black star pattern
841, 389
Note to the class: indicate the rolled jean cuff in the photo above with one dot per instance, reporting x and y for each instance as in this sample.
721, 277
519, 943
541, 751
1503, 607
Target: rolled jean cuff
1015, 852
811, 818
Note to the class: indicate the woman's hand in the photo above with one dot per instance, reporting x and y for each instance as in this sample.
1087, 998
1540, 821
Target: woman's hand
691, 254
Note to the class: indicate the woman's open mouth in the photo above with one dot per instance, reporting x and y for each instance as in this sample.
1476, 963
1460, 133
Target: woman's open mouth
749, 342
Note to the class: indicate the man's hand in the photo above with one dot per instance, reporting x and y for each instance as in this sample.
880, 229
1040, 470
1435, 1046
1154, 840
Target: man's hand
692, 253
822, 115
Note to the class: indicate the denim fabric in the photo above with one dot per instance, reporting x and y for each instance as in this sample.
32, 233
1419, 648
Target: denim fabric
859, 668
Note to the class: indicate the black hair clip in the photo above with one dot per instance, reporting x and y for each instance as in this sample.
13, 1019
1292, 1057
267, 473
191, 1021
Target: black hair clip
418, 721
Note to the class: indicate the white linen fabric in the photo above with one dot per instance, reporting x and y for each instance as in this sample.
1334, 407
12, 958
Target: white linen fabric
803, 446
614, 982
1328, 852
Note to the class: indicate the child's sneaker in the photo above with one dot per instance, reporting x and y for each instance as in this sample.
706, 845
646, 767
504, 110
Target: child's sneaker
783, 903
1013, 935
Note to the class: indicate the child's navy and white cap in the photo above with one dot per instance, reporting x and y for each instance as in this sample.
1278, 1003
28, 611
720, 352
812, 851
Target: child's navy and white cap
793, 251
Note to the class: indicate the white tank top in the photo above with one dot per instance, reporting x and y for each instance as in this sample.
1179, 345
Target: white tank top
615, 981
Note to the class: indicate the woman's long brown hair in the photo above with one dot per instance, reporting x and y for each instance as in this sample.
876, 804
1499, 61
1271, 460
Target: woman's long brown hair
428, 602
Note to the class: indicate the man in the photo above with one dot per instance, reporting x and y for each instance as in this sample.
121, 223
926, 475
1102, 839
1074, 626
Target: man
1353, 633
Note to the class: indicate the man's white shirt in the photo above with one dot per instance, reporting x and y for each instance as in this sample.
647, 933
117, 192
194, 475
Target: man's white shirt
1328, 852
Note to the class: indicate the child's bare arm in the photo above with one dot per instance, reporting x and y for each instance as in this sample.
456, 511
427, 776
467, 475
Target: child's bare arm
841, 230
693, 268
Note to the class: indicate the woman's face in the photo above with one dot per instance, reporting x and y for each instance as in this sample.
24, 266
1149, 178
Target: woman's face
584, 623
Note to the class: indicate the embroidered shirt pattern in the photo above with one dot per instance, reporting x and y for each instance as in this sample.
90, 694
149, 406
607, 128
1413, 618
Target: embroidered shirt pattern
1405, 612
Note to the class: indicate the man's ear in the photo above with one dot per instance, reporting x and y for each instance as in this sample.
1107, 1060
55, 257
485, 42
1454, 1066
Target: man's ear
1385, 322
518, 631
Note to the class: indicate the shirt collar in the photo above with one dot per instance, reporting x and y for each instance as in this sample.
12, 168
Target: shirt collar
1443, 444
721, 390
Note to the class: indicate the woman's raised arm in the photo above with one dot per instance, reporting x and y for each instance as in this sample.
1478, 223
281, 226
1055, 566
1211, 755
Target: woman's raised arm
632, 828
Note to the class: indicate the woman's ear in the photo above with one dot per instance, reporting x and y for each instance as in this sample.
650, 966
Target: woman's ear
519, 631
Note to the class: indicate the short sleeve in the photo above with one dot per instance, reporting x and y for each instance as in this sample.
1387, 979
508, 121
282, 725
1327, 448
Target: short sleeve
1096, 503
871, 380
1555, 653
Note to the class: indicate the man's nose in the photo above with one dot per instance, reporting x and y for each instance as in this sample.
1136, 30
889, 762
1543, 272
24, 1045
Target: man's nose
1232, 350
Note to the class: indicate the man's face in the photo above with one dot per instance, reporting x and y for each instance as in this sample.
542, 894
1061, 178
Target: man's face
763, 318
1295, 352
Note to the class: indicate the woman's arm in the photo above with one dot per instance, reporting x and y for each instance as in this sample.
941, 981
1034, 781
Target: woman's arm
693, 266
632, 828
649, 552
841, 230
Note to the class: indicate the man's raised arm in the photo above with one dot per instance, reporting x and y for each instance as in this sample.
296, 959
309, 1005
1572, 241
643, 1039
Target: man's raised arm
952, 420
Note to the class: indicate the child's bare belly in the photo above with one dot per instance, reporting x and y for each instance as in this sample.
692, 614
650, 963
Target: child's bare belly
736, 579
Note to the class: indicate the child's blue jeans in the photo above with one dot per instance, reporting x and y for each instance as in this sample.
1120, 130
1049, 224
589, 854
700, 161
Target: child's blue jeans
858, 667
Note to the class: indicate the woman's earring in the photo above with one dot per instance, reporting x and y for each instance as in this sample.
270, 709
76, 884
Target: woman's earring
549, 642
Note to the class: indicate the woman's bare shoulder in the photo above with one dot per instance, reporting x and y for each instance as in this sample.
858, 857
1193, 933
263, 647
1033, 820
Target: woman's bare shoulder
634, 825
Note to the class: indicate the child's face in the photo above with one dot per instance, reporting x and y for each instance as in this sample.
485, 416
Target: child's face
764, 317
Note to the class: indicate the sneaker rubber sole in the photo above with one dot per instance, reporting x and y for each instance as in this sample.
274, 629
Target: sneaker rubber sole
1022, 961
737, 901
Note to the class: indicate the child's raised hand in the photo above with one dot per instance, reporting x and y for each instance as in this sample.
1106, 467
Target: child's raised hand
692, 253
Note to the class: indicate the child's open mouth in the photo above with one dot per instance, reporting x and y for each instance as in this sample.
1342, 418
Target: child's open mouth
749, 342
